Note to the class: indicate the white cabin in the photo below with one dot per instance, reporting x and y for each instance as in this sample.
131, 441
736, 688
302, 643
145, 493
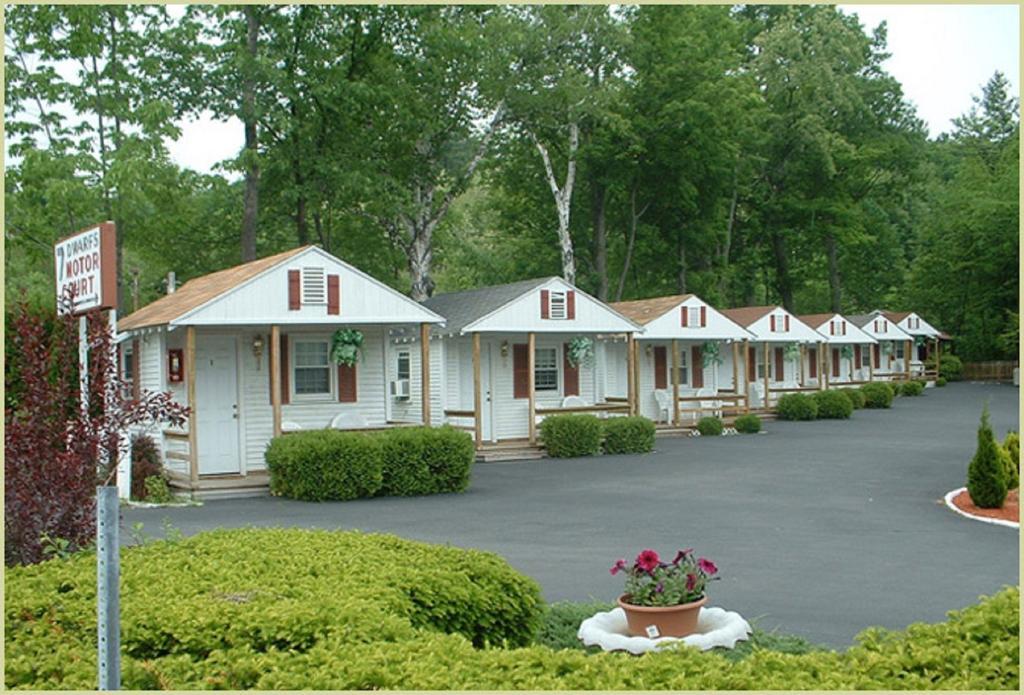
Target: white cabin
889, 356
248, 349
846, 357
690, 359
926, 339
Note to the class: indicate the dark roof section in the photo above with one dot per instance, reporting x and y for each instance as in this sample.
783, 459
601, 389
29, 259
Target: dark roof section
746, 315
463, 308
861, 320
643, 311
815, 320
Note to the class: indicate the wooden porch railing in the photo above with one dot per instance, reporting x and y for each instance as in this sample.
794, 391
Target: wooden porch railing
610, 407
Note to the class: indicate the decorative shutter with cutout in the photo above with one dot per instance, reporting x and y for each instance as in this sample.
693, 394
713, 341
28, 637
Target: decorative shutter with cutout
831, 327
812, 363
703, 316
786, 323
570, 304
684, 316
856, 356
752, 365
520, 371
294, 290
773, 323
780, 365
570, 375
545, 304
878, 355
835, 362
333, 294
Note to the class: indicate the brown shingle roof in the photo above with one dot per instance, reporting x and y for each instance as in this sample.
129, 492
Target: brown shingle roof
815, 320
643, 311
896, 316
746, 315
200, 290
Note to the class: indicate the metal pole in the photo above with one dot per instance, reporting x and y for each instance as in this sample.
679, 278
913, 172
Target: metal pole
83, 363
108, 572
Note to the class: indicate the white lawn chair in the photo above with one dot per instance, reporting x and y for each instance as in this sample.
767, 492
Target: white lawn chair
714, 406
573, 402
289, 426
349, 421
755, 392
664, 401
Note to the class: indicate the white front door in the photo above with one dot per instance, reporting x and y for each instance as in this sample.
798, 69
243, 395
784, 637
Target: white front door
217, 405
486, 393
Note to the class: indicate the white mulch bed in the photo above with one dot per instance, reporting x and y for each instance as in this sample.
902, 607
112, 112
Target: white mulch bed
716, 627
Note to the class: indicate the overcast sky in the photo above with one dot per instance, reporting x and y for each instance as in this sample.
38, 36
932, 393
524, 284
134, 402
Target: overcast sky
942, 54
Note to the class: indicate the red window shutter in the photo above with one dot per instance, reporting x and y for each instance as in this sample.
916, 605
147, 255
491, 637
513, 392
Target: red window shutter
856, 356
835, 362
752, 365
831, 327
660, 367
697, 380
136, 377
333, 294
571, 375
294, 290
843, 324
684, 318
773, 323
545, 304
703, 316
286, 370
780, 365
812, 363
570, 304
878, 356
347, 392
520, 371
787, 323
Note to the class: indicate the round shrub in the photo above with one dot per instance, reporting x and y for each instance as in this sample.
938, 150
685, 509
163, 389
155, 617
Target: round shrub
833, 405
855, 396
324, 465
145, 464
748, 424
911, 388
941, 381
710, 426
877, 394
449, 455
566, 436
950, 367
986, 474
1012, 445
797, 406
628, 435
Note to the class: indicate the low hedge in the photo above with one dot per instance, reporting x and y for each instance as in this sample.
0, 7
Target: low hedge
628, 435
941, 381
855, 396
912, 388
796, 406
710, 426
748, 424
833, 405
567, 436
326, 610
877, 395
331, 465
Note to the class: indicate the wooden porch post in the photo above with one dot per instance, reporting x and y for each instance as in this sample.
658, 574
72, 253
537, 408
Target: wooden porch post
746, 376
425, 371
675, 382
906, 357
531, 343
826, 365
477, 397
190, 385
871, 361
735, 367
938, 356
803, 354
275, 381
766, 386
630, 373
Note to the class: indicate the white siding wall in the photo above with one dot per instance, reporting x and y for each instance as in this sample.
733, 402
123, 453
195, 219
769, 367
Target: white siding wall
411, 409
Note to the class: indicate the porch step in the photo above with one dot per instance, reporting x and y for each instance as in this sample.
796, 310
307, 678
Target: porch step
518, 450
223, 486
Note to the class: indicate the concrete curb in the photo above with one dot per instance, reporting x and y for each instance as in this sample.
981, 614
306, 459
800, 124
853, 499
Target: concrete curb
998, 522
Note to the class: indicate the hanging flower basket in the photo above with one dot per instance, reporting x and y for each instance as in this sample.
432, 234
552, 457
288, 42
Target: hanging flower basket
886, 347
920, 340
846, 352
345, 346
791, 351
710, 353
581, 351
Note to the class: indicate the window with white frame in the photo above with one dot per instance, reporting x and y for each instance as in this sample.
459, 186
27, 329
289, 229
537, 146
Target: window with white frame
779, 324
556, 305
759, 356
865, 355
694, 318
545, 369
314, 286
127, 371
684, 370
311, 367
898, 352
403, 369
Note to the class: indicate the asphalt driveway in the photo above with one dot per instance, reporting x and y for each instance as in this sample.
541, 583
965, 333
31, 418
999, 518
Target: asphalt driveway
819, 529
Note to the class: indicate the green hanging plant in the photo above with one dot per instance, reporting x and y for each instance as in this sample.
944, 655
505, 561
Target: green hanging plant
580, 351
887, 347
920, 340
791, 351
710, 353
846, 352
345, 346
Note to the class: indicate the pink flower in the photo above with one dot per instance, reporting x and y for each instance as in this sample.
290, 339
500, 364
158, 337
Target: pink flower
691, 581
681, 554
618, 567
706, 566
647, 560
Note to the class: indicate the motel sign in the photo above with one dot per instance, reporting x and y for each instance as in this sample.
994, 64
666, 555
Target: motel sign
86, 266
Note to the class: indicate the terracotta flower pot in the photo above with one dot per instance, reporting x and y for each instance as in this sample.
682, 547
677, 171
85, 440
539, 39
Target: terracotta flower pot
662, 621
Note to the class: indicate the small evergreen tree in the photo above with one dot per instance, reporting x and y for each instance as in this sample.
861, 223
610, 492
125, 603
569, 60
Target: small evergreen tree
1011, 447
986, 474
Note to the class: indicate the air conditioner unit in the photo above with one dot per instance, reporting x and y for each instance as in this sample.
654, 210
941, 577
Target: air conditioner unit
400, 388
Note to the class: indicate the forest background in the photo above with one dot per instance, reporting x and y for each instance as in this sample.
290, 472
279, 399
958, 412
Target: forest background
749, 154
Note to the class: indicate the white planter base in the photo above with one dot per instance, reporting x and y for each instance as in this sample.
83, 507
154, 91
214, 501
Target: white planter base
998, 522
716, 627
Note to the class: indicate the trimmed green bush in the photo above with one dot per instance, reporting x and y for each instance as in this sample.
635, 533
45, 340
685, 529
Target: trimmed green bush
157, 491
877, 394
911, 388
318, 610
855, 396
450, 454
628, 435
425, 460
941, 381
797, 406
951, 367
748, 424
833, 405
1011, 444
566, 436
325, 465
710, 426
986, 474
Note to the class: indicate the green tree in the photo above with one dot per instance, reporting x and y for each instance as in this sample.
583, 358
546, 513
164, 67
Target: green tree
986, 474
